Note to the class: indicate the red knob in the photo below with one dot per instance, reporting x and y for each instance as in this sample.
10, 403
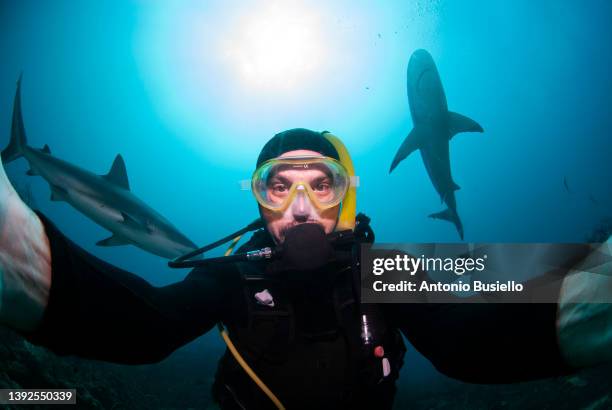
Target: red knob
379, 351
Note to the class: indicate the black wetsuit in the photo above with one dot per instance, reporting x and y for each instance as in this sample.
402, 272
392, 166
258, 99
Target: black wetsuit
99, 311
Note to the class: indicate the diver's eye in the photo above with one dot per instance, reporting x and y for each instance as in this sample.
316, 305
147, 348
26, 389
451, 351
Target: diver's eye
279, 188
321, 187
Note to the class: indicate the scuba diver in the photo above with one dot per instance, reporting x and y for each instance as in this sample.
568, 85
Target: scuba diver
287, 302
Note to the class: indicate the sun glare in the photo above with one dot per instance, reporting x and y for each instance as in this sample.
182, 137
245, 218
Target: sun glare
278, 46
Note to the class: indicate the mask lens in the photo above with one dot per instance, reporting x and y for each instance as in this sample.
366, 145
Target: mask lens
275, 183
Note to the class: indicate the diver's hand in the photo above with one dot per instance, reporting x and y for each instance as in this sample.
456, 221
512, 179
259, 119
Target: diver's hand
25, 261
584, 319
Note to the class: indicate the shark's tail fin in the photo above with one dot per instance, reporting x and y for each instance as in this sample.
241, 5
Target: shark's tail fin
18, 136
450, 216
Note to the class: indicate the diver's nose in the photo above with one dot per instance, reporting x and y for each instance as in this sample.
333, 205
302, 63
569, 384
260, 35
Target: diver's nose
301, 207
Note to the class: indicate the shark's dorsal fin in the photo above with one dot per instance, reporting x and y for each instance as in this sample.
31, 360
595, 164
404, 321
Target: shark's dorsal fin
460, 123
114, 240
46, 149
118, 174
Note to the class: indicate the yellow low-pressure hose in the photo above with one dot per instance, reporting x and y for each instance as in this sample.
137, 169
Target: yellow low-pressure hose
248, 369
236, 354
230, 249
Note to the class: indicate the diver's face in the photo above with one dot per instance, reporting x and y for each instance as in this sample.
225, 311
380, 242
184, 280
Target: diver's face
301, 210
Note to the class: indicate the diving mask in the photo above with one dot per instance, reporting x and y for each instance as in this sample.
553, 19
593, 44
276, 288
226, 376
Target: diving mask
278, 181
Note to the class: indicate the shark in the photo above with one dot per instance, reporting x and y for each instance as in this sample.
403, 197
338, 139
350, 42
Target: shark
105, 199
433, 127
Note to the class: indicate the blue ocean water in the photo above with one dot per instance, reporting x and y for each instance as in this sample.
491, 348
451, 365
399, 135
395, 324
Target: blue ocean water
188, 94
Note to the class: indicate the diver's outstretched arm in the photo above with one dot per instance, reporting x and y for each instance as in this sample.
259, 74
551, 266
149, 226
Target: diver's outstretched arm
25, 261
99, 311
511, 342
484, 342
59, 296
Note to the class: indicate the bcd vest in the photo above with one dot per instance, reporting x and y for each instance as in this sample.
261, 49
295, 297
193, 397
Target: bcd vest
302, 335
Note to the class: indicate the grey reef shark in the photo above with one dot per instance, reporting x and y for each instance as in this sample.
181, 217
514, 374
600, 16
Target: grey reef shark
106, 199
433, 127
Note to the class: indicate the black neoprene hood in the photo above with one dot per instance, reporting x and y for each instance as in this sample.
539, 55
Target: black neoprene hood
294, 139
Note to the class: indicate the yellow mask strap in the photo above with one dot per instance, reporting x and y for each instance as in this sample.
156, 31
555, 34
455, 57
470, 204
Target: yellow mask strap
346, 220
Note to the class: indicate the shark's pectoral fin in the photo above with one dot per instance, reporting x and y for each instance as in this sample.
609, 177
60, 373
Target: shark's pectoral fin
460, 123
114, 240
58, 193
447, 215
118, 174
410, 144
